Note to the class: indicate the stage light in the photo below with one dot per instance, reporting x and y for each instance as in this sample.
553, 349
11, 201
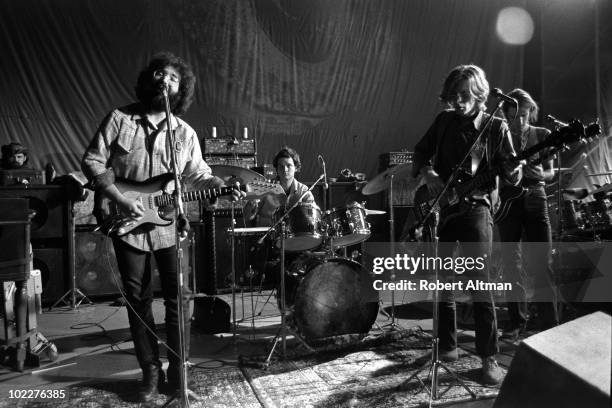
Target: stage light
514, 26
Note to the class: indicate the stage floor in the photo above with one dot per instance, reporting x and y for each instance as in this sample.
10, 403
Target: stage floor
94, 342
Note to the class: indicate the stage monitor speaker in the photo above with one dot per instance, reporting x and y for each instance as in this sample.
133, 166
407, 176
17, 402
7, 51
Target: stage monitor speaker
567, 366
96, 266
52, 263
51, 206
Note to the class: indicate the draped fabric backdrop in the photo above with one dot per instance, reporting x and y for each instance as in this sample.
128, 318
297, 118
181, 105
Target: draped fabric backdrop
349, 79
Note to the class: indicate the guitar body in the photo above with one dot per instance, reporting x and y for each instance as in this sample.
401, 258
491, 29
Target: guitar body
507, 196
107, 210
450, 206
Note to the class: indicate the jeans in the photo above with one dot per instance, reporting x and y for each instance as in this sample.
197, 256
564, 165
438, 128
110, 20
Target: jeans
476, 228
528, 220
135, 269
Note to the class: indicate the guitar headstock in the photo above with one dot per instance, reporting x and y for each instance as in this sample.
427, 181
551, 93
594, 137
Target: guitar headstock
257, 189
573, 132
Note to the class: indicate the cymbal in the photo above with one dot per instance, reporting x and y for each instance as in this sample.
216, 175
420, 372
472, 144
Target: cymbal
381, 181
374, 212
235, 173
563, 169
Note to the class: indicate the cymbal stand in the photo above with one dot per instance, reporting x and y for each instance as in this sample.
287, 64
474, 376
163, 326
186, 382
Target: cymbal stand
75, 294
233, 270
392, 326
281, 335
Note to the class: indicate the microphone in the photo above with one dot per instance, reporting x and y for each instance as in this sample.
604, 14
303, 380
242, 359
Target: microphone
164, 88
325, 185
556, 121
498, 93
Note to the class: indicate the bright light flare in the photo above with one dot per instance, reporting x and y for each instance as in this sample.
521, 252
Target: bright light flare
514, 26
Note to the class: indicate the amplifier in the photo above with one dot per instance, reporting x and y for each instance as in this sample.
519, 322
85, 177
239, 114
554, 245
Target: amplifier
22, 177
394, 158
239, 161
229, 146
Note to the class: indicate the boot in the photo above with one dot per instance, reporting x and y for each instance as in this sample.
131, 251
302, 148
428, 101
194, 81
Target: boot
152, 381
491, 373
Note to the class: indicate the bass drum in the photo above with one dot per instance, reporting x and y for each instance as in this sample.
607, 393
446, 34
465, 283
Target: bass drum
333, 296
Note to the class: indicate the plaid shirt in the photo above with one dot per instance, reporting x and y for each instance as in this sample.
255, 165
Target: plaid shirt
136, 149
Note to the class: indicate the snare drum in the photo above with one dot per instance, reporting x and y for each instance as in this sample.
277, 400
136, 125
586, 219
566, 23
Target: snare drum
303, 228
347, 225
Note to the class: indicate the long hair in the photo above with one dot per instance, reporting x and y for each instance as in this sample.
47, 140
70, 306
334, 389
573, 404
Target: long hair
145, 91
289, 153
524, 99
479, 86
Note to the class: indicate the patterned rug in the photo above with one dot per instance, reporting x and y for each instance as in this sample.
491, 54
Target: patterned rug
374, 377
220, 387
371, 372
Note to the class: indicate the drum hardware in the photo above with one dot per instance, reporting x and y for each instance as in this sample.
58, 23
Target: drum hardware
249, 273
281, 335
379, 183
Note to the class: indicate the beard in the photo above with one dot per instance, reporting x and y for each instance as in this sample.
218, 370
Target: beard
156, 101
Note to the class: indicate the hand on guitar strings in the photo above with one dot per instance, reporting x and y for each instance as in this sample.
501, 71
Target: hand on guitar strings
133, 208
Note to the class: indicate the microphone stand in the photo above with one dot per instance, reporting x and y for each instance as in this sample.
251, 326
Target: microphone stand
435, 362
183, 393
281, 335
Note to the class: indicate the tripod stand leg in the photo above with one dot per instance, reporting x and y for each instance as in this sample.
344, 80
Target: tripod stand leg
457, 378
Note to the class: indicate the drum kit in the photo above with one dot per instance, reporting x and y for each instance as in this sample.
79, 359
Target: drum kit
580, 219
326, 293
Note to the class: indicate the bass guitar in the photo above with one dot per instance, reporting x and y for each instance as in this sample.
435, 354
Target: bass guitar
455, 200
155, 195
575, 132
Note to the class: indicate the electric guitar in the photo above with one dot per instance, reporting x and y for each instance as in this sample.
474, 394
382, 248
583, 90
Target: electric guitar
455, 200
156, 197
575, 132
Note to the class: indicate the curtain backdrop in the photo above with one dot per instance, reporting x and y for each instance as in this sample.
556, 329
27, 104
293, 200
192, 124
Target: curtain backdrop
349, 79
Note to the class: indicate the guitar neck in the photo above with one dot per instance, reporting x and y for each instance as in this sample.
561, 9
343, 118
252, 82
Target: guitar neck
488, 176
196, 195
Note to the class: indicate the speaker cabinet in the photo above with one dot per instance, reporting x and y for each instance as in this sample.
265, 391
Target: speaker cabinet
53, 265
567, 366
213, 256
97, 273
52, 210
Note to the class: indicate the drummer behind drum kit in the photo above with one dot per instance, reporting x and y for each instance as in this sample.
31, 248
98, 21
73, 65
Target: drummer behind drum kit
327, 294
